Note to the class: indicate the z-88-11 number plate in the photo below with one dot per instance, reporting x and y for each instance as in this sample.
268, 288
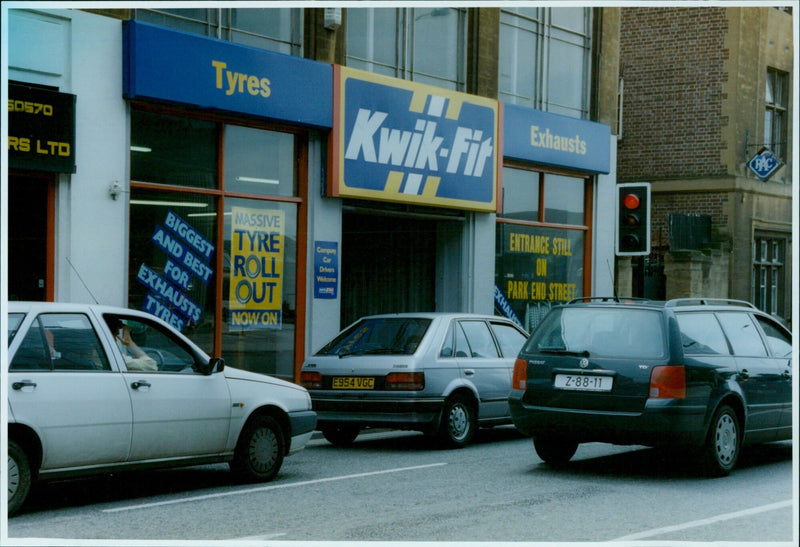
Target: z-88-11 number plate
583, 382
353, 382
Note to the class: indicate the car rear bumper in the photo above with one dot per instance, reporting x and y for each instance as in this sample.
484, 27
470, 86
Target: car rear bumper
387, 413
662, 422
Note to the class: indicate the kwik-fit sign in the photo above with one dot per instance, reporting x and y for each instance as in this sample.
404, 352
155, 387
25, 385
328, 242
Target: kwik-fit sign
405, 142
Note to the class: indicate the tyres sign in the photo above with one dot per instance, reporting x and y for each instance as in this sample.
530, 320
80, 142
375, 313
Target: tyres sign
406, 142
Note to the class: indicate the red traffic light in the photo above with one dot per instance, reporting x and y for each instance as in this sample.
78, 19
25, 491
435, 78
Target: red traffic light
631, 201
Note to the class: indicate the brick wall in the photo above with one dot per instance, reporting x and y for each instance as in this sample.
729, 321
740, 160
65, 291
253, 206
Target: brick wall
672, 62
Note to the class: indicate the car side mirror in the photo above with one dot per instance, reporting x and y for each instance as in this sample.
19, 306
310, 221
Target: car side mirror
215, 364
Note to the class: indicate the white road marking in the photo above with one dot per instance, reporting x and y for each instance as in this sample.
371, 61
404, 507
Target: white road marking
704, 522
269, 487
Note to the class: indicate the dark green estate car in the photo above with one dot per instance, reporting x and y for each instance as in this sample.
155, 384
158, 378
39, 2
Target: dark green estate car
704, 374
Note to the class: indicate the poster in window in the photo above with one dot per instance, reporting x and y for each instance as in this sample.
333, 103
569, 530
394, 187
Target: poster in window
256, 284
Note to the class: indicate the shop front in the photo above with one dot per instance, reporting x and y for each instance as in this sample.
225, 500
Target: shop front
552, 226
219, 137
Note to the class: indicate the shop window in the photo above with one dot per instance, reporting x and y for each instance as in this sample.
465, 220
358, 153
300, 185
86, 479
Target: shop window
540, 243
424, 45
217, 260
172, 264
173, 150
775, 118
275, 29
259, 280
259, 162
545, 59
768, 287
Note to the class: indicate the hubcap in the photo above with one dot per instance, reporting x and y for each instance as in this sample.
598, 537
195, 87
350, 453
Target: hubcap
726, 439
263, 449
459, 422
13, 477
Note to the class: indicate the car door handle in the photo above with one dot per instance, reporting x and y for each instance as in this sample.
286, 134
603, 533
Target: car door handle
787, 374
140, 383
469, 372
24, 383
745, 374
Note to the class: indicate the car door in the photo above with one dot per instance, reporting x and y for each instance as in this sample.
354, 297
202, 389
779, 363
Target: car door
177, 410
758, 374
479, 362
779, 343
63, 386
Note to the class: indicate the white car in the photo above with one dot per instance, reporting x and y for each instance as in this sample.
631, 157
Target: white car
445, 374
96, 389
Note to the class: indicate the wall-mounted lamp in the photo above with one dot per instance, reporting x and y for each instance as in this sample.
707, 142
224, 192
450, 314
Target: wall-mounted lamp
114, 190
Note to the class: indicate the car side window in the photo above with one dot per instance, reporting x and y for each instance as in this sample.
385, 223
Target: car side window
148, 347
480, 339
779, 344
61, 342
701, 334
509, 338
462, 346
742, 334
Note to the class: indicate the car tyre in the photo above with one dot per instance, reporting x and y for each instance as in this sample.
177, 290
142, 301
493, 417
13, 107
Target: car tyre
340, 435
723, 441
554, 450
459, 421
260, 450
19, 477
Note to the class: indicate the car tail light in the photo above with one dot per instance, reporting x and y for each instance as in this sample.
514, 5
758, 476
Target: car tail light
519, 380
311, 380
668, 382
405, 381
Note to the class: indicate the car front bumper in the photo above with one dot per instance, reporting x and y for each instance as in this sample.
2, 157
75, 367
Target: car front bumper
661, 422
302, 426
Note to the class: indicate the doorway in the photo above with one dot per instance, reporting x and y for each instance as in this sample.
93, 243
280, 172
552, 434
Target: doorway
388, 265
30, 237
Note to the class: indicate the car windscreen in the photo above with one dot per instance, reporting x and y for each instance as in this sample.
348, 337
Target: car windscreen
381, 335
602, 332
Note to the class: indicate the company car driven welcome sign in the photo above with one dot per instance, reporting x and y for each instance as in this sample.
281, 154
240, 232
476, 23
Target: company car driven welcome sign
401, 141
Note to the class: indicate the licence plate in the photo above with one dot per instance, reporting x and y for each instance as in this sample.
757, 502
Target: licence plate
353, 382
583, 382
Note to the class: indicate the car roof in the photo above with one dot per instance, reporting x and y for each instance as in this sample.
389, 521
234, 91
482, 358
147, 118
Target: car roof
435, 315
17, 306
683, 303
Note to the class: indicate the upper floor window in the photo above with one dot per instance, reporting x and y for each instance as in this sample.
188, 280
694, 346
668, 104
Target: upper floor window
776, 116
545, 59
424, 45
274, 29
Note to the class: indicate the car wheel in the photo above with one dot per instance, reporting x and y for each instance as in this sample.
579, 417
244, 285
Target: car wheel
721, 449
340, 435
259, 452
19, 477
458, 422
554, 450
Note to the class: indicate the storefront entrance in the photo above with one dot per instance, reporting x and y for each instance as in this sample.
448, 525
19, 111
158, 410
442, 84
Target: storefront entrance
29, 228
388, 265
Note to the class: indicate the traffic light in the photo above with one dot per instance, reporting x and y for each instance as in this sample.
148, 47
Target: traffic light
633, 219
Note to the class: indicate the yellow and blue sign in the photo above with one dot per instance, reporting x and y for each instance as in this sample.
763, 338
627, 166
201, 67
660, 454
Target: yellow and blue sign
166, 65
256, 284
402, 141
558, 141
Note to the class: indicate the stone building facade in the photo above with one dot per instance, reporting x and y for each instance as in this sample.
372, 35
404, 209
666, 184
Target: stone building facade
699, 101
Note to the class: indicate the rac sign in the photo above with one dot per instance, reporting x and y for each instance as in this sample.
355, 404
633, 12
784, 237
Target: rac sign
406, 142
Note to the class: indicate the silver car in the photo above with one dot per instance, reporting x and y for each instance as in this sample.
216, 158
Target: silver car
441, 373
95, 389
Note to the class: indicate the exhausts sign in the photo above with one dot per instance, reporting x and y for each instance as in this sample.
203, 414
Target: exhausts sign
401, 141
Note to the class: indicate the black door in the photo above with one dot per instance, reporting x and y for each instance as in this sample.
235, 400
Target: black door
28, 222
